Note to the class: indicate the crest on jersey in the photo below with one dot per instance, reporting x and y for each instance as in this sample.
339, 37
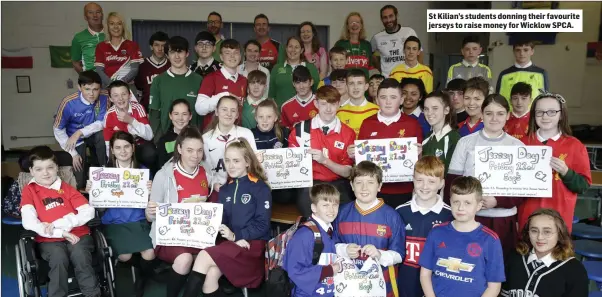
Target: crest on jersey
381, 230
278, 144
339, 145
474, 249
438, 153
312, 114
402, 132
245, 198
204, 184
123, 52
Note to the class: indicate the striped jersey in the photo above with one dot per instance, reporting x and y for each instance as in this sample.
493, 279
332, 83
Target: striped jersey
354, 115
380, 226
466, 128
83, 47
419, 71
117, 60
112, 124
75, 113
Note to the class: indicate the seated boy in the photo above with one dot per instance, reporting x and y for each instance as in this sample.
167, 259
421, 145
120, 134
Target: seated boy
523, 70
328, 140
58, 213
257, 81
357, 109
425, 210
130, 116
373, 84
462, 255
78, 125
520, 99
411, 67
301, 107
475, 91
314, 279
370, 228
455, 89
338, 60
470, 66
204, 45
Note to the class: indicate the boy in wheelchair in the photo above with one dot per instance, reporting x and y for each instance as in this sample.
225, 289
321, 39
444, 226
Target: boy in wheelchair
58, 214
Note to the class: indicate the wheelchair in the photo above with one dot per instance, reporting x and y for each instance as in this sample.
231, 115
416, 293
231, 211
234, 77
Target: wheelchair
32, 270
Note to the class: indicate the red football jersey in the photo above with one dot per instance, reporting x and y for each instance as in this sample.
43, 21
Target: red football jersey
517, 126
146, 73
334, 145
116, 61
574, 154
190, 184
51, 205
215, 83
268, 57
406, 126
112, 124
293, 111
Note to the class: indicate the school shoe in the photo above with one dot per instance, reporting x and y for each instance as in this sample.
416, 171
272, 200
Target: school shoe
226, 286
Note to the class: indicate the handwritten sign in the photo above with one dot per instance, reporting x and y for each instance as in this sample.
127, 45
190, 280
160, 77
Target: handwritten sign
192, 225
119, 187
514, 171
287, 168
396, 157
365, 282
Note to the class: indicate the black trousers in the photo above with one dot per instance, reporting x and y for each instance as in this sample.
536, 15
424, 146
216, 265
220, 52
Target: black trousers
98, 157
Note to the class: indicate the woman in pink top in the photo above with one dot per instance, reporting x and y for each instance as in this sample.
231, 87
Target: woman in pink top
314, 53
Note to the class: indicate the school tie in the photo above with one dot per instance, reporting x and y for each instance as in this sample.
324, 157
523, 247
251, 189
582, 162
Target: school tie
224, 138
329, 232
325, 130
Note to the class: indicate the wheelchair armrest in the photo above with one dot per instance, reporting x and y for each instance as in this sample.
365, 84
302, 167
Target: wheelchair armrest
95, 222
27, 234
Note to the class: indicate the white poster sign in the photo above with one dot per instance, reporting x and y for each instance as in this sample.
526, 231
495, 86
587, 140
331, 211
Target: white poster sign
192, 225
514, 171
287, 168
395, 156
119, 187
365, 282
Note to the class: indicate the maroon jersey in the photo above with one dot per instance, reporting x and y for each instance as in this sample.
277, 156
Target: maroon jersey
117, 61
146, 73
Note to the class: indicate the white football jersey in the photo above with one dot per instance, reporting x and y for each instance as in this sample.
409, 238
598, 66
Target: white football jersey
390, 47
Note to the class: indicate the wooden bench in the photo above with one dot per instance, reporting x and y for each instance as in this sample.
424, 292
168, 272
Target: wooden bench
285, 213
597, 179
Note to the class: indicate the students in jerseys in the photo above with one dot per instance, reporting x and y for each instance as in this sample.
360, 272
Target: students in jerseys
390, 122
549, 125
239, 253
520, 99
370, 228
414, 93
421, 214
442, 139
181, 180
313, 278
475, 91
353, 40
498, 214
544, 263
268, 132
373, 84
462, 256
221, 130
455, 89
328, 139
58, 214
281, 88
129, 116
357, 108
225, 82
251, 63
152, 66
410, 67
338, 59
118, 57
180, 115
257, 81
470, 66
300, 107
126, 229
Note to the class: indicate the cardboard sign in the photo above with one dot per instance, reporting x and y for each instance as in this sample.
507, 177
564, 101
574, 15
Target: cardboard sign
396, 157
515, 171
287, 168
365, 282
192, 225
119, 187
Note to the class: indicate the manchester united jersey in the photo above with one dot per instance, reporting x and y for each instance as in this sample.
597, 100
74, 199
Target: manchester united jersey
294, 110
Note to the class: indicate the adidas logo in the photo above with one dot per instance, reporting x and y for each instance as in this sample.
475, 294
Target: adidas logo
116, 128
409, 227
442, 245
295, 115
373, 133
180, 188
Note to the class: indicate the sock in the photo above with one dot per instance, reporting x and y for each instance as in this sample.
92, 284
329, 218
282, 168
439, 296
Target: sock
194, 286
147, 267
175, 281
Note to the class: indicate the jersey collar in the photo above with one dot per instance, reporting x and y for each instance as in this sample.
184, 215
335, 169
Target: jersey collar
416, 112
436, 208
547, 260
83, 100
228, 76
465, 63
183, 172
173, 75
541, 139
56, 185
439, 135
325, 226
308, 101
364, 103
92, 32
316, 123
388, 121
519, 116
523, 67
293, 66
199, 64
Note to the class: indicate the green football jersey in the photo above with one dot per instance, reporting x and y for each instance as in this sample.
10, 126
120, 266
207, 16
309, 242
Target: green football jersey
83, 47
358, 55
281, 82
443, 148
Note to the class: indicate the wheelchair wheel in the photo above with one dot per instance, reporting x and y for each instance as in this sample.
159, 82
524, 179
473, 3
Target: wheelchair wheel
20, 272
105, 254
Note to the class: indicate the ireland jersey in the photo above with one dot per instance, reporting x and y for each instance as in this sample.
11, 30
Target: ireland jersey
83, 47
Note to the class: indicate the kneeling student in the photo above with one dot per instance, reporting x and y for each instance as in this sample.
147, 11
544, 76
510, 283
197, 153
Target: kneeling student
462, 255
315, 279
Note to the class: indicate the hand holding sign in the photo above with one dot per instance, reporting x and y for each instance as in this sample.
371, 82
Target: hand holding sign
119, 187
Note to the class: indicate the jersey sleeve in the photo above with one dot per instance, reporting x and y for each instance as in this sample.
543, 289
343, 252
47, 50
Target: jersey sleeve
76, 50
107, 131
494, 261
428, 253
154, 98
26, 196
284, 121
398, 238
208, 86
456, 166
315, 75
272, 83
373, 44
135, 54
298, 262
99, 56
62, 115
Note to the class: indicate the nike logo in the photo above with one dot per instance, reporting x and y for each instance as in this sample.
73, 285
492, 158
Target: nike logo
210, 150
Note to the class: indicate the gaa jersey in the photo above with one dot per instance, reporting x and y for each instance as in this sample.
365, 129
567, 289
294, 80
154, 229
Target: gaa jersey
462, 261
358, 54
295, 110
418, 224
380, 226
466, 128
117, 60
146, 73
334, 145
190, 184
83, 47
354, 115
419, 71
574, 154
268, 57
221, 83
517, 126
390, 47
75, 113
400, 126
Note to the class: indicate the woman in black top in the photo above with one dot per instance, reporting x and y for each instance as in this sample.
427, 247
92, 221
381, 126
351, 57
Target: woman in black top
180, 115
544, 264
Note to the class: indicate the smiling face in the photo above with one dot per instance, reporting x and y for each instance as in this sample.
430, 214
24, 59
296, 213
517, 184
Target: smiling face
366, 188
354, 24
266, 118
389, 100
543, 234
177, 58
252, 53
191, 152
115, 26
293, 50
473, 99
180, 116
44, 172
464, 207
303, 88
122, 150
356, 87
214, 24
546, 122
261, 27
227, 112
494, 118
325, 210
426, 186
389, 19
256, 89
338, 61
306, 34
435, 111
120, 96
204, 49
236, 164
326, 111
412, 96
230, 57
